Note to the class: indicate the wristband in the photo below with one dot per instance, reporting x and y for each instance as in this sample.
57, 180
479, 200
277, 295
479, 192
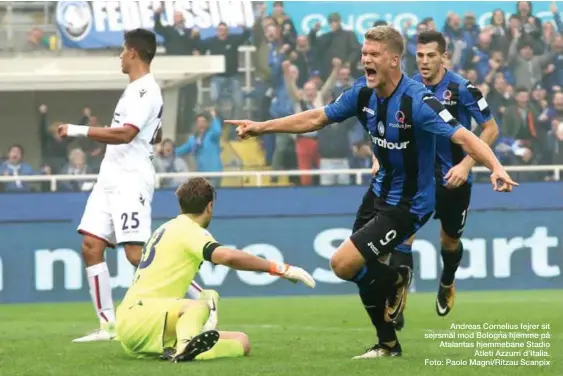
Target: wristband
278, 268
77, 130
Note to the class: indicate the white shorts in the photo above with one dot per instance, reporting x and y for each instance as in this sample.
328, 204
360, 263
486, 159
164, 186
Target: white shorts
117, 215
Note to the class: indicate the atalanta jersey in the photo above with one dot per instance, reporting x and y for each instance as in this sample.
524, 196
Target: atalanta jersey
464, 101
403, 130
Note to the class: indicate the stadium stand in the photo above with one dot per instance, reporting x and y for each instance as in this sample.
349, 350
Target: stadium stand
516, 60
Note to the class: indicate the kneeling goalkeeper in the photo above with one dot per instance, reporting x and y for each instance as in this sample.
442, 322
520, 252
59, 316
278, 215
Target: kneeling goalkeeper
154, 320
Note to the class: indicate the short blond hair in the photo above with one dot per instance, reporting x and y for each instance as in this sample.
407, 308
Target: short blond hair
387, 35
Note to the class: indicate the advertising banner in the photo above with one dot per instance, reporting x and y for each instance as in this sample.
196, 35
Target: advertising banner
511, 241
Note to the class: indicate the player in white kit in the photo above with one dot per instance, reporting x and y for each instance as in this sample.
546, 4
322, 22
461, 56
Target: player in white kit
118, 211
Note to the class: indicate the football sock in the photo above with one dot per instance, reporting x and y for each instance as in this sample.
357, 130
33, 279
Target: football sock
190, 323
194, 291
402, 256
451, 261
225, 348
100, 292
374, 303
377, 274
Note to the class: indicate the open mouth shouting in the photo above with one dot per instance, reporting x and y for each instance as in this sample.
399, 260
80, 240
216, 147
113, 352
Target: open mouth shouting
370, 73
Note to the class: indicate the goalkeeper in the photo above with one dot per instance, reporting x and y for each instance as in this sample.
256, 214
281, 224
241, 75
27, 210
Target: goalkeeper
154, 320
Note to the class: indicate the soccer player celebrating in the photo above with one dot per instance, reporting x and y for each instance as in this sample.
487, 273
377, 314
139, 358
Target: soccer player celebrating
154, 317
402, 119
453, 192
118, 211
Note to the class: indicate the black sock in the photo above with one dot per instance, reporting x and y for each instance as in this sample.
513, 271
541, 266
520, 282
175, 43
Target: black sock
374, 301
399, 258
451, 263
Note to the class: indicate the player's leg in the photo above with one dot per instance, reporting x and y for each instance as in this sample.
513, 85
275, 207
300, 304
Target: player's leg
382, 289
196, 292
131, 216
452, 209
230, 345
402, 256
148, 327
191, 341
373, 301
97, 230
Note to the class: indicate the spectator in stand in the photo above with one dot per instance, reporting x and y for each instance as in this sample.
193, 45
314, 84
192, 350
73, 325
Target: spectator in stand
497, 64
205, 144
307, 144
553, 118
288, 31
471, 29
166, 161
411, 42
337, 43
520, 129
15, 166
527, 68
262, 73
301, 58
499, 31
54, 149
37, 41
556, 17
554, 80
226, 83
477, 57
499, 97
548, 36
344, 81
530, 26
76, 166
429, 22
538, 99
180, 40
284, 151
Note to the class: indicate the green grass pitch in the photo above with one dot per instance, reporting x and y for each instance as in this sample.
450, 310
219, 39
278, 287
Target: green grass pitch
302, 336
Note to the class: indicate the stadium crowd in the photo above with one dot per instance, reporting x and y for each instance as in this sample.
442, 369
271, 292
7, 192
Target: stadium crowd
517, 63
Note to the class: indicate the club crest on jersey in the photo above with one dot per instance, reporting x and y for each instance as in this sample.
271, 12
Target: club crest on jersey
381, 128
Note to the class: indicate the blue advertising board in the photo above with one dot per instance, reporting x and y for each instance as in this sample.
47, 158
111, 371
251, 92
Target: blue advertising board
100, 24
511, 241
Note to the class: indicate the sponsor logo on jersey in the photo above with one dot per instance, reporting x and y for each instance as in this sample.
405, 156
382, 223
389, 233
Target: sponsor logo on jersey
400, 124
447, 96
142, 92
383, 143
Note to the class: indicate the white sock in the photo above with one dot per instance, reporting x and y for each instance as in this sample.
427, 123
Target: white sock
194, 291
100, 292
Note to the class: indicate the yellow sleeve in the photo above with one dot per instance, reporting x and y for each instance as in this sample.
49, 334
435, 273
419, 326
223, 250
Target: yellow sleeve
201, 244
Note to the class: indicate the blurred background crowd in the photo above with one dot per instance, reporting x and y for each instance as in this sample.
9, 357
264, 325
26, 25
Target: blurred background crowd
272, 70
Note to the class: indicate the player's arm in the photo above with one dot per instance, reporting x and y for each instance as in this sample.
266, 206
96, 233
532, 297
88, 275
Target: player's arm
433, 117
308, 121
110, 136
239, 260
479, 109
141, 106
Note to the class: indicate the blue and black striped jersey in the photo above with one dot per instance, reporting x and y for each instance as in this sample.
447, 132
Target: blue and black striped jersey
464, 101
403, 130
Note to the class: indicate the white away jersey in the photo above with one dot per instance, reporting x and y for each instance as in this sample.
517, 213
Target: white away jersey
141, 107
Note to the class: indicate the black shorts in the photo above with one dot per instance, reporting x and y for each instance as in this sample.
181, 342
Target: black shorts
452, 207
380, 227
